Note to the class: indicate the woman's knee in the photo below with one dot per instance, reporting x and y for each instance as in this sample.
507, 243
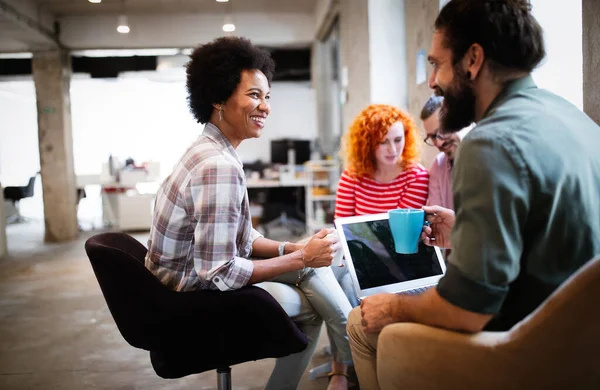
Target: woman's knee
292, 300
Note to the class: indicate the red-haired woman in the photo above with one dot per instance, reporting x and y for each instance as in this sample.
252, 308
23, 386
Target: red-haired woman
382, 170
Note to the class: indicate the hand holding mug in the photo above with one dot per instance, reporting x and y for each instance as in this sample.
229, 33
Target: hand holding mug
319, 251
441, 221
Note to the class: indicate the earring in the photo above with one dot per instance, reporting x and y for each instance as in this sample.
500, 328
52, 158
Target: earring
220, 113
469, 75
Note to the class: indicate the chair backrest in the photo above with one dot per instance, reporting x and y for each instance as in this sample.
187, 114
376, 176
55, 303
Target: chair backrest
28, 190
132, 292
560, 340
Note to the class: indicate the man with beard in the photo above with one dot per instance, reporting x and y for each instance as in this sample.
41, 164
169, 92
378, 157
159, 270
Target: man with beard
526, 188
440, 172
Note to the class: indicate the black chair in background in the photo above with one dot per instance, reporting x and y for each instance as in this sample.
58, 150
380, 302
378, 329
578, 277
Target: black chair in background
16, 193
188, 332
284, 208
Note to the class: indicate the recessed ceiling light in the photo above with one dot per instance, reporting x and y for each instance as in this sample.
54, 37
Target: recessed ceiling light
222, 1
95, 1
229, 27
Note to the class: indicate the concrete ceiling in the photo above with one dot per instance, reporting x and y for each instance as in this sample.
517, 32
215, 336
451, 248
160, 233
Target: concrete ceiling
27, 25
61, 8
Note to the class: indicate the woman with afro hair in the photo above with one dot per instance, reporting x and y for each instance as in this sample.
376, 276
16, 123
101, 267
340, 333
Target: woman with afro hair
382, 170
202, 237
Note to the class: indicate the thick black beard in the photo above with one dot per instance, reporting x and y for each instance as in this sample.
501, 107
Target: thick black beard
458, 109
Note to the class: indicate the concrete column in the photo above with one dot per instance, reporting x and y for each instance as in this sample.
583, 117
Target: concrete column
355, 57
420, 17
52, 76
3, 248
387, 45
372, 55
591, 58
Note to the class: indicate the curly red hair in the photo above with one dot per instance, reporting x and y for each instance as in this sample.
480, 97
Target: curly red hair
368, 129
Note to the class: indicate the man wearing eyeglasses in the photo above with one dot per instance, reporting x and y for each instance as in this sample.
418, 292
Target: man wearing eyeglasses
440, 173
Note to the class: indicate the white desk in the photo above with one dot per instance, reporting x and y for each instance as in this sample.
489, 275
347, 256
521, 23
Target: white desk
123, 207
264, 183
126, 208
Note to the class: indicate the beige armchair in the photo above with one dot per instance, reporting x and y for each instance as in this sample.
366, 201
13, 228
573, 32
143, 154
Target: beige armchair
556, 347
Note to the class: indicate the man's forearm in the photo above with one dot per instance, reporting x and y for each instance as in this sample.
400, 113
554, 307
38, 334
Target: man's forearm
430, 308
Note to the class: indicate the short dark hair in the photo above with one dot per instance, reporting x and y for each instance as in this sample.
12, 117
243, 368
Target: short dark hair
431, 105
215, 70
509, 34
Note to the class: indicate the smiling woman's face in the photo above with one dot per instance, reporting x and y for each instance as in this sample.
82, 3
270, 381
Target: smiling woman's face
246, 110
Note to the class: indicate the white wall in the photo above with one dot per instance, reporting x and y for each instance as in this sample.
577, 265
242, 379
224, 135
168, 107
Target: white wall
562, 70
186, 30
387, 41
129, 117
19, 152
144, 115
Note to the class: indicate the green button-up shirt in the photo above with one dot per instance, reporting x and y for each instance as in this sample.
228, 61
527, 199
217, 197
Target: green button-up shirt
526, 187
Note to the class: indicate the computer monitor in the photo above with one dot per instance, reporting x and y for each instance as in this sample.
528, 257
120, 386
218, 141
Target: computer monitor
280, 147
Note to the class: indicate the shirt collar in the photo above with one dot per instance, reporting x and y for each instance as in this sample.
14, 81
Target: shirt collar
510, 89
214, 133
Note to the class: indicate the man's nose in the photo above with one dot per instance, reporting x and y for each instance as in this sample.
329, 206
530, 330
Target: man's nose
438, 141
432, 78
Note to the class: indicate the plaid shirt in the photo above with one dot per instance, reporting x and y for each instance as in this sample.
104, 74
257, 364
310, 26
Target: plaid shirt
202, 235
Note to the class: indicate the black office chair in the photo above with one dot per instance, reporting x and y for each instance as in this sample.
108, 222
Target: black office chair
16, 193
188, 332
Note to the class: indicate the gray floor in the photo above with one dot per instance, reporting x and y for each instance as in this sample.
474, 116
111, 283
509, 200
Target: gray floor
56, 331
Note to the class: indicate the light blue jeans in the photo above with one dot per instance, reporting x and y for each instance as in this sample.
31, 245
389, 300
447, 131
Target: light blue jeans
345, 280
309, 297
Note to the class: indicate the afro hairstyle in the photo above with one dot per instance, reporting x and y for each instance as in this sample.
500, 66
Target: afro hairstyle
215, 70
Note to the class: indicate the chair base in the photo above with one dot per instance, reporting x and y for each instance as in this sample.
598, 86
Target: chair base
224, 378
16, 218
295, 226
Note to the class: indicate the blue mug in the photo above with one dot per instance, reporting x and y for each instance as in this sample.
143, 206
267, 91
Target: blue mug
406, 226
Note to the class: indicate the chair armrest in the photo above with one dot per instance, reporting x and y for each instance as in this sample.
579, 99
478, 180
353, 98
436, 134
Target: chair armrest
415, 356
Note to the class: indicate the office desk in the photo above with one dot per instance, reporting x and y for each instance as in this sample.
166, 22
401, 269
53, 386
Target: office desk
265, 183
126, 209
123, 207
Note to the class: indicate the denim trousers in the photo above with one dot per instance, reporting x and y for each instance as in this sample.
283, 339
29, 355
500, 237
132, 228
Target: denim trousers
309, 297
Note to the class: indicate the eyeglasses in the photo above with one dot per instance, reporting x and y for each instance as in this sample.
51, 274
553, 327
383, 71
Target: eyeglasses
432, 138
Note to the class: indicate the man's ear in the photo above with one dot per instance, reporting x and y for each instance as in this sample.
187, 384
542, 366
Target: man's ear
216, 106
473, 61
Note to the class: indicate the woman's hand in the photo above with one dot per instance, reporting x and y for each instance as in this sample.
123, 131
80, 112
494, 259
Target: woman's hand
441, 222
320, 249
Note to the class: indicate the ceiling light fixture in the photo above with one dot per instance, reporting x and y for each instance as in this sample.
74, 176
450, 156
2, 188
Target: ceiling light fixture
228, 25
222, 1
122, 26
95, 1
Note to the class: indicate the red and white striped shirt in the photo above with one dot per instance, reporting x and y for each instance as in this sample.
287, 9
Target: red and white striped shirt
363, 195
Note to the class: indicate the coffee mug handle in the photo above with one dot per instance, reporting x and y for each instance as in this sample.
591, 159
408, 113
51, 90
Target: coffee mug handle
427, 223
